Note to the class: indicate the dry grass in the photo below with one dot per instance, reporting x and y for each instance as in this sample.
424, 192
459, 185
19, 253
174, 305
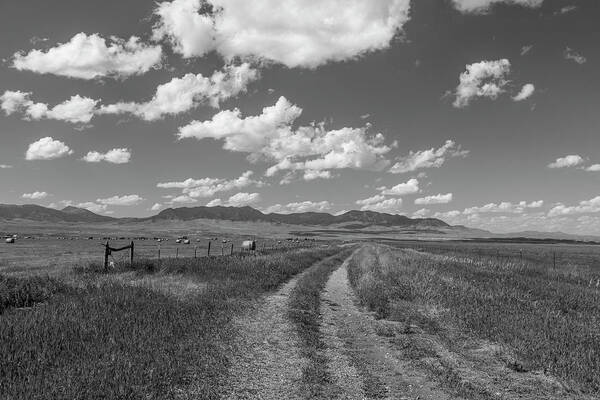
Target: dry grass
114, 341
549, 318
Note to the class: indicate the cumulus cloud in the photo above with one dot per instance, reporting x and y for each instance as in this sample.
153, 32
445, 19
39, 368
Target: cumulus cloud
484, 6
76, 110
185, 93
525, 93
371, 200
422, 213
434, 199
5, 166
35, 195
295, 33
572, 160
89, 57
114, 156
571, 54
593, 168
409, 187
125, 200
243, 199
504, 207
208, 187
47, 149
299, 207
584, 207
483, 79
390, 206
156, 207
431, 158
271, 137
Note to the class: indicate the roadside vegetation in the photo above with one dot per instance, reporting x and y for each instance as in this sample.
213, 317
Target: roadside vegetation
105, 339
548, 317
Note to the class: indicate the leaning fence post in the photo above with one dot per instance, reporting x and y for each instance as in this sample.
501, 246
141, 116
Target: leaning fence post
131, 254
208, 251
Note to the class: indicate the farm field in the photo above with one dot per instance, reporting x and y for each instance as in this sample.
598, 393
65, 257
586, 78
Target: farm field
404, 319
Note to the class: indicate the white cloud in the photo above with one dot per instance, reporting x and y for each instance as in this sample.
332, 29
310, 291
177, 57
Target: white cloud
76, 110
435, 199
432, 158
526, 49
5, 166
391, 206
295, 33
504, 207
566, 10
422, 213
310, 175
312, 148
93, 207
125, 200
299, 207
35, 195
584, 207
185, 93
525, 93
89, 57
208, 187
572, 160
47, 149
183, 199
214, 203
484, 6
571, 54
243, 199
156, 207
593, 168
409, 187
371, 200
483, 79
114, 156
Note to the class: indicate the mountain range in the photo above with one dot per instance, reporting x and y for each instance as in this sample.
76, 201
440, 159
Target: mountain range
350, 220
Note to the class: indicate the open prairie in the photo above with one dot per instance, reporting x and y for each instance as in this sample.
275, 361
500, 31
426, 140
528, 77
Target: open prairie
410, 319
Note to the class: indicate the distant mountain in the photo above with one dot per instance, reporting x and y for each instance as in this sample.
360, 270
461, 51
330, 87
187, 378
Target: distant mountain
357, 218
44, 214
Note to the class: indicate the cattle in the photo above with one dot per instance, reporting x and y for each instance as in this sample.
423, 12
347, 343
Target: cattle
249, 245
10, 240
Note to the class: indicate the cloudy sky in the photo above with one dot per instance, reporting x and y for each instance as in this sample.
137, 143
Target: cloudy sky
479, 112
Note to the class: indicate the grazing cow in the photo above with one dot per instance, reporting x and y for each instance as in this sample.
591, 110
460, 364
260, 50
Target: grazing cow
10, 240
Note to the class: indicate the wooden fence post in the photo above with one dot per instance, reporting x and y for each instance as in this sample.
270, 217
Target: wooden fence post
106, 254
231, 248
159, 254
176, 252
195, 250
222, 246
208, 251
131, 255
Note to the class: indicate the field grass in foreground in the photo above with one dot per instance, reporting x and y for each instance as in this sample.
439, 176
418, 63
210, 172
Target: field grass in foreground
304, 312
550, 320
113, 341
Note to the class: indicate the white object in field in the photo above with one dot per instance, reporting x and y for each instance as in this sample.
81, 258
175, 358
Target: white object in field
178, 241
10, 240
249, 245
186, 241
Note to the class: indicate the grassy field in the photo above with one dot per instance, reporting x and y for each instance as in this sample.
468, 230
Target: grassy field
548, 316
104, 339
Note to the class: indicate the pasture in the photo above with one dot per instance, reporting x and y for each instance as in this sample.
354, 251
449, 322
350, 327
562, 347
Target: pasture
454, 319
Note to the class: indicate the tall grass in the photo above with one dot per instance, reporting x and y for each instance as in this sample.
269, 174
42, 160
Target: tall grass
553, 324
113, 341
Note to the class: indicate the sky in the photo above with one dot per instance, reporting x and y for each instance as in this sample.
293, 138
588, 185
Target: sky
478, 112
